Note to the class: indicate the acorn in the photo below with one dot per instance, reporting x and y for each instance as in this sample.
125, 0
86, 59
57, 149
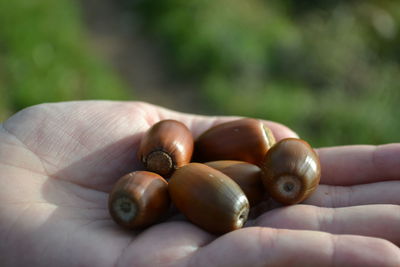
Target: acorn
291, 171
166, 146
246, 175
139, 199
244, 139
208, 198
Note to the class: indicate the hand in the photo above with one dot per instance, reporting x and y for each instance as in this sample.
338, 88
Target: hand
59, 161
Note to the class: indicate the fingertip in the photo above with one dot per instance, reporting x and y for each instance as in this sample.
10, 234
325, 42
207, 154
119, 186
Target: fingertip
364, 251
280, 131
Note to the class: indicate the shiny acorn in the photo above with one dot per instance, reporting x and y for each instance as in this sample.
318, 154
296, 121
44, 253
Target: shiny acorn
139, 199
246, 175
244, 139
166, 146
291, 171
208, 198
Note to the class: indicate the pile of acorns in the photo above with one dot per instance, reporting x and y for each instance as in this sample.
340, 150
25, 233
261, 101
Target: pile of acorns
242, 161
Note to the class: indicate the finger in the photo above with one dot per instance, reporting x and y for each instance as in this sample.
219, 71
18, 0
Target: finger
164, 244
371, 220
359, 164
259, 246
199, 123
364, 194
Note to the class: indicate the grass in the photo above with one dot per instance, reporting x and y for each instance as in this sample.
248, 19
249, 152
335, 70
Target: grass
330, 72
45, 57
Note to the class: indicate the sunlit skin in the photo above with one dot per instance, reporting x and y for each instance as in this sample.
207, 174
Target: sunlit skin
59, 161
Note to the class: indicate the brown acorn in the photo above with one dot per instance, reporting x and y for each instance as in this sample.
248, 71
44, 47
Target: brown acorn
166, 146
291, 171
208, 198
246, 175
244, 139
139, 199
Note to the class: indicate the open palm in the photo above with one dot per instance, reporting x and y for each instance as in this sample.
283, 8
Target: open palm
59, 161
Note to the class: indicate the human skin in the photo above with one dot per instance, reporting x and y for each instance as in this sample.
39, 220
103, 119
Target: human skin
59, 161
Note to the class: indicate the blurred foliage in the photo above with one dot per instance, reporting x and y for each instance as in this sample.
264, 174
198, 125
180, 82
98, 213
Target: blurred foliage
44, 57
328, 69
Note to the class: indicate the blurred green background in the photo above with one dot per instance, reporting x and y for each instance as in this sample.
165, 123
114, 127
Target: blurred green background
330, 70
